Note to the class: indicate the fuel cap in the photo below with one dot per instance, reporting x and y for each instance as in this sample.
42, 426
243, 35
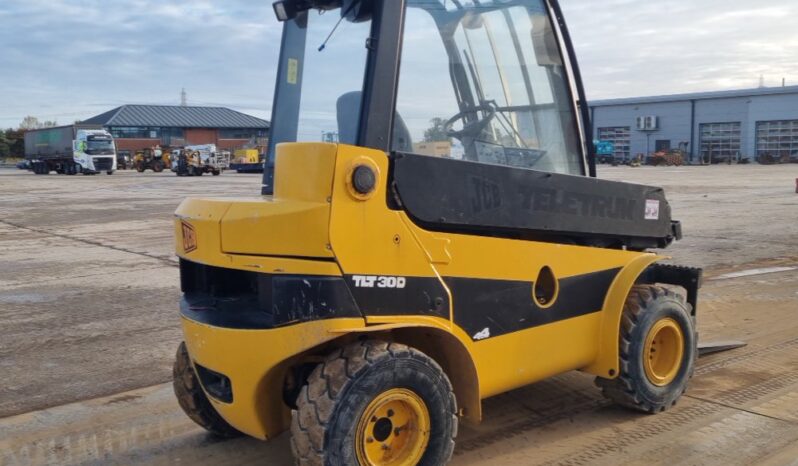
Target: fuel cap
363, 179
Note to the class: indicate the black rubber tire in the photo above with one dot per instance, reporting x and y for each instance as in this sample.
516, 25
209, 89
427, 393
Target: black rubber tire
157, 167
339, 390
109, 172
216, 172
646, 305
193, 400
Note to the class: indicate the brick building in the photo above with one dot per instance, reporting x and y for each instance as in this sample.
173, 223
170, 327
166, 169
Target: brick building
141, 126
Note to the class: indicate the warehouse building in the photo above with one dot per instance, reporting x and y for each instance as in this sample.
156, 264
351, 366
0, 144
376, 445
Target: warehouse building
753, 124
137, 127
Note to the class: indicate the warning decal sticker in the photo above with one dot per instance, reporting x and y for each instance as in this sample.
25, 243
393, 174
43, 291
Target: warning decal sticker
652, 209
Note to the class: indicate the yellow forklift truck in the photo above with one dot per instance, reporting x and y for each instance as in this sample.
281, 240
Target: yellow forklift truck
372, 297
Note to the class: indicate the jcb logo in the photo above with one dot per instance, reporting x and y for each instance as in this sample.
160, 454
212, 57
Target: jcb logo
189, 237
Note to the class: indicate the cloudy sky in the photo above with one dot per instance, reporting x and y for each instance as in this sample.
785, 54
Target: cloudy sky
72, 59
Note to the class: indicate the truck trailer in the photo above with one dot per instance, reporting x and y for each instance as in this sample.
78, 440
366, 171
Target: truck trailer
70, 150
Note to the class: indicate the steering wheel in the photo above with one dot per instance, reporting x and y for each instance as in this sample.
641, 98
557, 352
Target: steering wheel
471, 129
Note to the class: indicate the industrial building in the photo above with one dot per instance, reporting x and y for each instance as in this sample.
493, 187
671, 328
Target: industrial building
142, 126
752, 124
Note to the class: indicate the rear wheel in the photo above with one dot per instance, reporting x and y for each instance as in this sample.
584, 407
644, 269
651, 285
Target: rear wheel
193, 400
41, 168
657, 350
375, 404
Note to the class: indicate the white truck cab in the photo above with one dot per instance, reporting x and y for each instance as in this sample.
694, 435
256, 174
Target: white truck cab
94, 150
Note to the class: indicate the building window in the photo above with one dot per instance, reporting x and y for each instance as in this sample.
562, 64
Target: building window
620, 137
172, 133
241, 133
776, 141
135, 132
720, 142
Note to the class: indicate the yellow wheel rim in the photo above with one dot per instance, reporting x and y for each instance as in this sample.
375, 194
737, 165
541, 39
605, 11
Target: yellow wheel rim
393, 430
663, 352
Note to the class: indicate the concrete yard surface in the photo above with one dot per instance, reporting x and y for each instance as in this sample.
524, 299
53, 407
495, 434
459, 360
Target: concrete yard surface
88, 305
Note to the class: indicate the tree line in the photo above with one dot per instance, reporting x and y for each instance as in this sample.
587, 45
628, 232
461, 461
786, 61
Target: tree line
12, 140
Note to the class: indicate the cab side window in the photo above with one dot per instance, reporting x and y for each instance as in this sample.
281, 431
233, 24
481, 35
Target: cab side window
486, 85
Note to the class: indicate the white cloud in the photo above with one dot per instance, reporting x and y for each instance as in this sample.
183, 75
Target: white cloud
72, 59
635, 48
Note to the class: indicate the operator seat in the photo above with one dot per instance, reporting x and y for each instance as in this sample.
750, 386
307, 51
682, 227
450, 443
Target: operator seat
349, 104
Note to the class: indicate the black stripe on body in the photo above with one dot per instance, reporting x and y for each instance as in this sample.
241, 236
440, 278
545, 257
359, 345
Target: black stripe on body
505, 306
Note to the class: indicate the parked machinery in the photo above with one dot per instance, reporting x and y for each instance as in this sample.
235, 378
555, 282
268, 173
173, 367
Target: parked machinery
769, 159
668, 158
672, 157
248, 160
124, 160
198, 160
605, 151
155, 159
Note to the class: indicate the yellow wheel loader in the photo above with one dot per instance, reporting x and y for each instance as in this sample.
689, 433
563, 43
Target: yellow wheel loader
153, 159
371, 297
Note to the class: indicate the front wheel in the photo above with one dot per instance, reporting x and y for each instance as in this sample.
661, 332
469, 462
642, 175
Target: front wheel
109, 172
658, 349
375, 403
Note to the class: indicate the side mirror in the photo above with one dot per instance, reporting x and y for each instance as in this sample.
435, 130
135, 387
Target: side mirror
357, 11
286, 10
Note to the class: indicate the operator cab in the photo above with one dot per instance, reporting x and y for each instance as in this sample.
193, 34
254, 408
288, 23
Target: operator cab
479, 81
476, 103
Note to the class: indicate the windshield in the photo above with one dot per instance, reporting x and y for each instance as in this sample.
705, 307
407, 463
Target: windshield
485, 82
327, 109
100, 147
